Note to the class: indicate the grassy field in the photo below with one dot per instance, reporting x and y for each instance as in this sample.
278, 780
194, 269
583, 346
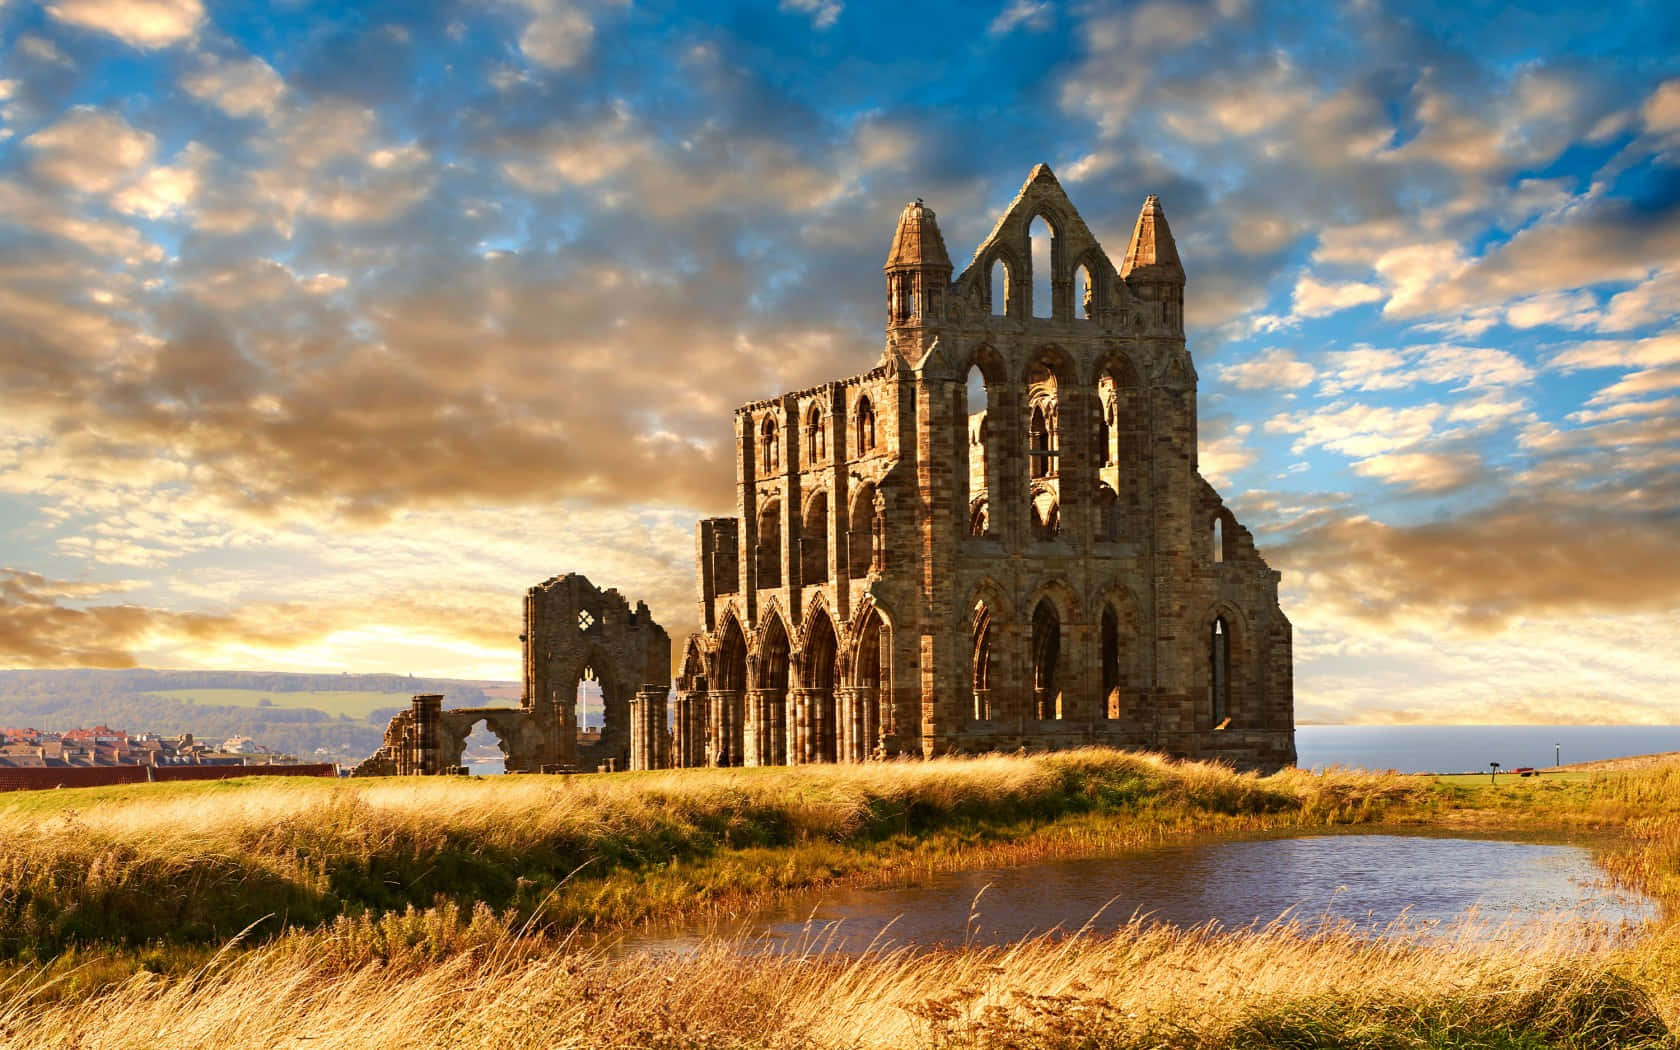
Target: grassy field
446, 912
356, 704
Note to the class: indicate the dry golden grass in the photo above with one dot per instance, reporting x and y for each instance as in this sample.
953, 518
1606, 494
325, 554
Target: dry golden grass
1139, 987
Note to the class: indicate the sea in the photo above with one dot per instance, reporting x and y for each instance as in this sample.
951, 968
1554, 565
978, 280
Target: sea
1444, 749
1469, 749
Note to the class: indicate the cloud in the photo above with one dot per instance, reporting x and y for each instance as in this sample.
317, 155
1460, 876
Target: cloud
1649, 302
1275, 368
144, 24
823, 13
1359, 430
1661, 112
240, 88
558, 37
165, 190
91, 150
1222, 448
1035, 15
1433, 472
1314, 298
1488, 571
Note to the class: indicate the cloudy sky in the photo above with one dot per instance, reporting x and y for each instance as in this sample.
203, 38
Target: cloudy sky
326, 329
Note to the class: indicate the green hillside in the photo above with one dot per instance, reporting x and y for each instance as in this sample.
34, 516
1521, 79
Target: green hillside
359, 705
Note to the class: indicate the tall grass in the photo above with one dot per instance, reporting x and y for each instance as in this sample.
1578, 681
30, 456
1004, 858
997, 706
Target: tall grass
1141, 987
186, 866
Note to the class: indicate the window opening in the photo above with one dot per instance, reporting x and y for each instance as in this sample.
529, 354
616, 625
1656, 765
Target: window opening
1043, 302
982, 669
1046, 649
769, 457
1000, 287
1219, 657
585, 620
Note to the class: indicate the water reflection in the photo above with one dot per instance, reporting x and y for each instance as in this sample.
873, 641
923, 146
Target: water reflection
1371, 880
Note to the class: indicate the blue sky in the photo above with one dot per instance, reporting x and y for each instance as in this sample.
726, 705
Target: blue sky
325, 330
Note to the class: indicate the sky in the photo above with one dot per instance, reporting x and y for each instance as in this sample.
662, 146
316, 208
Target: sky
327, 329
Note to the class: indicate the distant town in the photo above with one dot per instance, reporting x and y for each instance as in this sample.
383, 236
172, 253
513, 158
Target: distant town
104, 746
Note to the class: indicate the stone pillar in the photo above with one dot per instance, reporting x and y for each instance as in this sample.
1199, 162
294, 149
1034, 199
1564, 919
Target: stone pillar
688, 730
648, 742
845, 734
422, 752
801, 738
825, 744
869, 720
727, 743
766, 736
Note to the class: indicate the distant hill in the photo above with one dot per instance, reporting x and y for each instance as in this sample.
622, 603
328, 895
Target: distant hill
344, 713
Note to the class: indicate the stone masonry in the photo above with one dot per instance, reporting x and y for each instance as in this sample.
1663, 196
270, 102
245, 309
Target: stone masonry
573, 631
996, 538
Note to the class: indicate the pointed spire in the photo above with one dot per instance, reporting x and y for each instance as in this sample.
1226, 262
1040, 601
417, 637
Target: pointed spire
917, 241
1152, 255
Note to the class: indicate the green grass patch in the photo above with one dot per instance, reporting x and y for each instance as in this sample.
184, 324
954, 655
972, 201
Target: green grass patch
356, 704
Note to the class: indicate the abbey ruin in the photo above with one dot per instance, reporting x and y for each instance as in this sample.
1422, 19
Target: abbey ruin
996, 538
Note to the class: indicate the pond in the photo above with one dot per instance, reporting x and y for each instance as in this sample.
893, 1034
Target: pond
1384, 884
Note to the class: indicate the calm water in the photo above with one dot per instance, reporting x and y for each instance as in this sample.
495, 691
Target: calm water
1371, 880
1462, 749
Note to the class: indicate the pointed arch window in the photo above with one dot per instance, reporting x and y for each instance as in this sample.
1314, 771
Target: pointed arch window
816, 435
1046, 654
1219, 670
982, 666
769, 446
865, 427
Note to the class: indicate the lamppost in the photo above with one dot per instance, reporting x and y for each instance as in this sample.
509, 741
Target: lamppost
1557, 755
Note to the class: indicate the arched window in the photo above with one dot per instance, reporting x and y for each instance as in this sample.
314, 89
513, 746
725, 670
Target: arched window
816, 436
1114, 701
813, 541
1043, 300
1000, 287
1218, 539
860, 534
1120, 423
1084, 292
769, 458
1038, 443
1219, 671
982, 662
769, 545
1046, 516
1046, 651
976, 424
865, 426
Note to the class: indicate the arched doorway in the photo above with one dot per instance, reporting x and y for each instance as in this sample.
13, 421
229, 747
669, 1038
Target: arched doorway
865, 721
725, 745
767, 721
818, 735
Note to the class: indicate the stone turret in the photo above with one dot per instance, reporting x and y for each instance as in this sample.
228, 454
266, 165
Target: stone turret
918, 269
1151, 267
